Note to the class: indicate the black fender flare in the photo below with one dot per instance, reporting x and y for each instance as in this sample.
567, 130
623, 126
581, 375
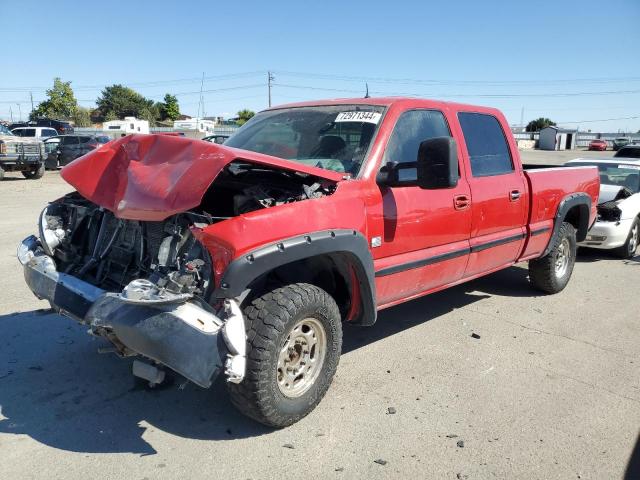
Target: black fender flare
243, 270
583, 202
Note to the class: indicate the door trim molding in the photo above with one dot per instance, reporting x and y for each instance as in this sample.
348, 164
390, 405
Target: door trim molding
423, 262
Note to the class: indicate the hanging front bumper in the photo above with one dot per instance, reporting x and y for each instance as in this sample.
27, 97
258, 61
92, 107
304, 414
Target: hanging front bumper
182, 334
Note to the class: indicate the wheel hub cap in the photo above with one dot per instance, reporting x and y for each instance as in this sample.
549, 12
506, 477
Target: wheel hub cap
563, 258
301, 357
633, 241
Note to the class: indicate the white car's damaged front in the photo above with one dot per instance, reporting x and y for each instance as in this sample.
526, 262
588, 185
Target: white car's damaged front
617, 227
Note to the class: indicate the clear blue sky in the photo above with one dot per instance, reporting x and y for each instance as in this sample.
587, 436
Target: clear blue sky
470, 51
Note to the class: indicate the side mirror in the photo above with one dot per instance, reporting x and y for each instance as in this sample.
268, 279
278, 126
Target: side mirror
438, 163
395, 174
436, 167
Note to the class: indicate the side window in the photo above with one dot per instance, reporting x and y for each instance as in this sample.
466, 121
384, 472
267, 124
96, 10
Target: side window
70, 140
29, 132
413, 128
487, 146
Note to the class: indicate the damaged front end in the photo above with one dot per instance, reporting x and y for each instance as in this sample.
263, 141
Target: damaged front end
85, 255
123, 254
611, 227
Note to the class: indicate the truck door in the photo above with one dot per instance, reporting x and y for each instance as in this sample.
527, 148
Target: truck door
423, 241
498, 195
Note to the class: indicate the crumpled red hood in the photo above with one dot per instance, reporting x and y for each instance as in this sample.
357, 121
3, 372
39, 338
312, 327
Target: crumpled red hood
151, 177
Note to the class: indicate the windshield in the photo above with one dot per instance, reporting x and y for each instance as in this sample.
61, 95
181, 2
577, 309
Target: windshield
615, 174
335, 137
5, 131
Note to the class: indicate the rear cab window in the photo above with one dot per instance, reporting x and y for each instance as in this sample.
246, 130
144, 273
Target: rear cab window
487, 146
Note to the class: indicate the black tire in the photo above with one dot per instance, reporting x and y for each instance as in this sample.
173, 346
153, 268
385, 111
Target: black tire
628, 250
270, 320
51, 163
550, 273
35, 173
1, 174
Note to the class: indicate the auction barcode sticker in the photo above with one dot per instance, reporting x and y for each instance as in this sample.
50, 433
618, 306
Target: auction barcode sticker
368, 117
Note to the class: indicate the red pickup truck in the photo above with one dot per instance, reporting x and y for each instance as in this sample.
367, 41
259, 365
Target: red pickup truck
246, 257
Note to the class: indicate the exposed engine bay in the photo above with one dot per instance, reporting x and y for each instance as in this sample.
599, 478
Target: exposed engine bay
163, 258
244, 187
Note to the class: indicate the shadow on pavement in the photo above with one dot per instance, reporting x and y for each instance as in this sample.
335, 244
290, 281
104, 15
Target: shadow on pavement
633, 467
590, 255
56, 388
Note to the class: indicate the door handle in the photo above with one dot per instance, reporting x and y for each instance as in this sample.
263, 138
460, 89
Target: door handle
461, 202
514, 195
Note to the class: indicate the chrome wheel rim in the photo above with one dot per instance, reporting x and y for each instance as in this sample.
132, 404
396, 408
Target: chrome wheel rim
633, 240
563, 258
301, 357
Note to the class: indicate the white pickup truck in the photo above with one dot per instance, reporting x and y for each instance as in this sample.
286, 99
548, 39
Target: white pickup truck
20, 154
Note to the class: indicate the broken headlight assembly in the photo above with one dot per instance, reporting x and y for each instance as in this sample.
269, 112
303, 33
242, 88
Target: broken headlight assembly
51, 231
609, 212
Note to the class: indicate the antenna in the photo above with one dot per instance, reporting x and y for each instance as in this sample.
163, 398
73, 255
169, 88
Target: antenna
366, 95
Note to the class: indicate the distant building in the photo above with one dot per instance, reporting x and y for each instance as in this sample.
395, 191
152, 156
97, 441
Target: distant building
555, 138
126, 126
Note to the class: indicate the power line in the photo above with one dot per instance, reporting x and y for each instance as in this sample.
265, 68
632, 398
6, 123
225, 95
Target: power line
407, 81
464, 95
601, 120
155, 83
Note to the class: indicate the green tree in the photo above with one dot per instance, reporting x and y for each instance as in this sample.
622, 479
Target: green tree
244, 116
170, 108
82, 117
150, 114
119, 101
61, 103
538, 124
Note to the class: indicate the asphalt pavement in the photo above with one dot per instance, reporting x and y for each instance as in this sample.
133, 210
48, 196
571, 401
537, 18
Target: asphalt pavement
485, 380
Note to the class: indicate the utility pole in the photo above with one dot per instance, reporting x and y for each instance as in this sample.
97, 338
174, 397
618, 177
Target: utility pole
522, 118
19, 112
11, 113
31, 95
200, 102
270, 78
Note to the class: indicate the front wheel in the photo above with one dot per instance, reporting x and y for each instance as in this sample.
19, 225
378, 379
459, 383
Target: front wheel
552, 272
628, 250
35, 173
294, 337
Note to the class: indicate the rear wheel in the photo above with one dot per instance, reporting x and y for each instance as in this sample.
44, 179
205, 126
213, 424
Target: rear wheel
294, 337
552, 272
628, 250
35, 173
1, 173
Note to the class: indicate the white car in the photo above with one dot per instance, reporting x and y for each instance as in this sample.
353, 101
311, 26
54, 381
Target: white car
37, 132
617, 227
